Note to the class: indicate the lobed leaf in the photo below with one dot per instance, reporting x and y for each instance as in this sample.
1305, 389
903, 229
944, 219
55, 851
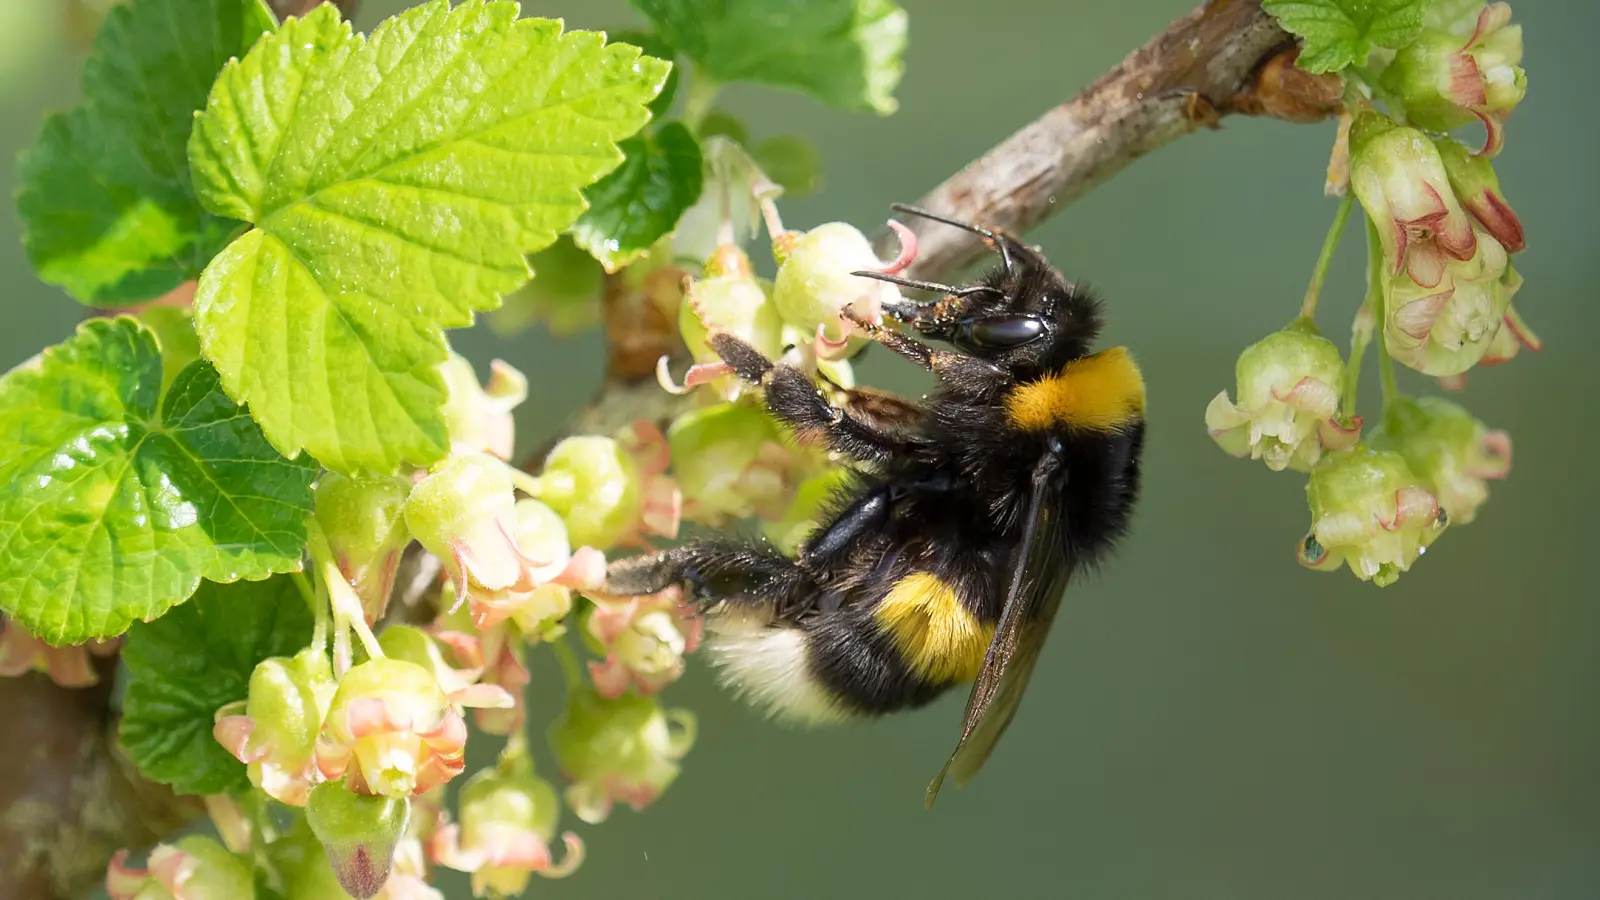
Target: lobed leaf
107, 208
641, 201
1336, 34
846, 53
117, 498
397, 184
191, 662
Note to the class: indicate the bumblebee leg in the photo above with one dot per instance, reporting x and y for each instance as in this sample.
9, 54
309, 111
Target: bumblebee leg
794, 399
917, 352
717, 572
956, 369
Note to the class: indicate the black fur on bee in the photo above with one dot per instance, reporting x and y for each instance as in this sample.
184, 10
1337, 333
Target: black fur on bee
943, 559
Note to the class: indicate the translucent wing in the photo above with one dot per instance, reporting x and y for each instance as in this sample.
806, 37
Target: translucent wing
1034, 593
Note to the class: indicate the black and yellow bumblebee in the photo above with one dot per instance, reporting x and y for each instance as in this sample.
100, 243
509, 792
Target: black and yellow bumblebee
944, 558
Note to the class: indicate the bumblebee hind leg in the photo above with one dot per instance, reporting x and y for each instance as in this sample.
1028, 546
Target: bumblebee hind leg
718, 573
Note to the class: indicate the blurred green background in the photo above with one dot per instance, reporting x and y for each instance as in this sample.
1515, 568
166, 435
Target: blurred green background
1210, 720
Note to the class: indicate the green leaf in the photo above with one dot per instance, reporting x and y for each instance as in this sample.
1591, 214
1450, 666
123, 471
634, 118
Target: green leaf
175, 338
1341, 33
846, 53
115, 501
653, 45
791, 161
194, 660
634, 206
721, 123
107, 207
396, 183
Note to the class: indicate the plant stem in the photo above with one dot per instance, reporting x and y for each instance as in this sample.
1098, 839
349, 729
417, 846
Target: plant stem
702, 93
1308, 306
570, 670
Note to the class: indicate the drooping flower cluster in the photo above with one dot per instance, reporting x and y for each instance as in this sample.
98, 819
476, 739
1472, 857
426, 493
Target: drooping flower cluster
1441, 238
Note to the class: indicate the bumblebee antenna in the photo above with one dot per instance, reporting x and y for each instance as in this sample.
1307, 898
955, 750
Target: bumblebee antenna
929, 285
998, 242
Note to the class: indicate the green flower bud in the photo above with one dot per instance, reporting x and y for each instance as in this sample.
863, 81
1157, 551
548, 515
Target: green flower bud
620, 750
1445, 82
364, 521
1453, 453
814, 284
191, 868
595, 486
508, 818
1287, 411
730, 462
1402, 183
1370, 510
478, 419
359, 834
463, 513
274, 731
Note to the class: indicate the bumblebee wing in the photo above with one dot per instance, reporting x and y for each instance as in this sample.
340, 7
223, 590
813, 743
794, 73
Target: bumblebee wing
883, 410
1036, 585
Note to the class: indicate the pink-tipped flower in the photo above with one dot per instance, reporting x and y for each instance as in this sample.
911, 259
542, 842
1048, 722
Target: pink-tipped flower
505, 670
542, 535
624, 750
464, 513
644, 640
1478, 188
69, 666
1513, 336
1453, 454
814, 284
1401, 181
1446, 329
478, 419
508, 820
1287, 414
730, 462
364, 521
729, 299
611, 491
274, 730
1368, 509
191, 868
392, 731
1445, 82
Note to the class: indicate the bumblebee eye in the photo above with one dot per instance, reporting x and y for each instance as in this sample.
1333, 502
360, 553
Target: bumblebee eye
1003, 331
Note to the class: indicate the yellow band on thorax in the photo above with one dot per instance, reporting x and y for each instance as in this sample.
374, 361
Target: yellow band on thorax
1103, 392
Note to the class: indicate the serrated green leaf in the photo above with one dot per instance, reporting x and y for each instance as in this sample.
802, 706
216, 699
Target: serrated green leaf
640, 202
115, 501
653, 45
846, 53
791, 161
1337, 34
107, 207
194, 660
397, 183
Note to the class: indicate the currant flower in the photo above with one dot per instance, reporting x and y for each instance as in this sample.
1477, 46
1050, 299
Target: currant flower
1444, 82
1477, 187
392, 731
1451, 452
274, 730
611, 491
411, 644
22, 652
729, 298
814, 284
364, 522
1447, 329
1402, 183
478, 418
1287, 412
464, 513
644, 640
1513, 336
359, 834
508, 819
730, 462
541, 535
622, 750
191, 868
1368, 509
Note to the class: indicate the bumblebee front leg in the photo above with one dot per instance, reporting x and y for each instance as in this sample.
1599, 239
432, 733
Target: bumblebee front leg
952, 368
717, 572
794, 399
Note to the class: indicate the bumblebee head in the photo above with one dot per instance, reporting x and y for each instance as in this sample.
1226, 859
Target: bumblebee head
1022, 314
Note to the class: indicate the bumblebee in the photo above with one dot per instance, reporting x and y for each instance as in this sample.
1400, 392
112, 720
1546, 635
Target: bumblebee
944, 557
